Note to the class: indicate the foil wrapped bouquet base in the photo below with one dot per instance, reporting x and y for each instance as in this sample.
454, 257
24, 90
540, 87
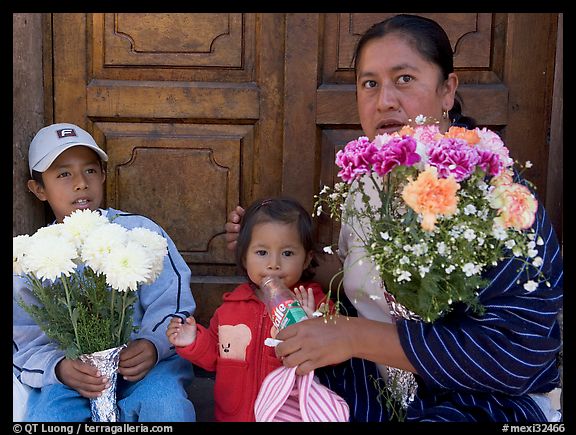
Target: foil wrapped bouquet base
104, 408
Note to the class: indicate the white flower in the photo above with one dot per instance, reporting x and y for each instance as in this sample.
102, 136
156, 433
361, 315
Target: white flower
470, 209
470, 269
537, 262
539, 241
530, 286
328, 250
126, 267
441, 248
385, 236
469, 235
80, 223
149, 239
423, 271
510, 244
404, 275
499, 232
420, 249
420, 119
101, 243
49, 256
19, 246
528, 164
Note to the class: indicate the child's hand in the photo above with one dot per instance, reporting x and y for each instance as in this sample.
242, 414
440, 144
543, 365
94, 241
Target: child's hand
82, 377
306, 299
137, 359
181, 334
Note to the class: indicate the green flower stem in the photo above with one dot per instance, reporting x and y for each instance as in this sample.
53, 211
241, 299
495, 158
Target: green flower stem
121, 325
69, 304
112, 299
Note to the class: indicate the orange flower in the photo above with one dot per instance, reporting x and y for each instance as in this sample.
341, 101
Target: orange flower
470, 136
406, 131
431, 196
516, 206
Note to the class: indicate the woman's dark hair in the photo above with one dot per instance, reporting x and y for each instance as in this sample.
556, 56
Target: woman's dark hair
277, 209
430, 40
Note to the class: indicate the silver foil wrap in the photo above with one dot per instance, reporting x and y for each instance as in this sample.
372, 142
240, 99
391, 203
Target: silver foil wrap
402, 384
104, 408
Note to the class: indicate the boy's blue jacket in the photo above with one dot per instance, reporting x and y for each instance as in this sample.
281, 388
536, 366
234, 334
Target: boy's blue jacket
35, 356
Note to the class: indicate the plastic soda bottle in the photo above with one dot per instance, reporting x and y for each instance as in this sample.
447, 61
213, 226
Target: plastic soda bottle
282, 306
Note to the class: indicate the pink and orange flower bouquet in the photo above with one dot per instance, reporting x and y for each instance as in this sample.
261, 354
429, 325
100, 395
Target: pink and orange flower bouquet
433, 211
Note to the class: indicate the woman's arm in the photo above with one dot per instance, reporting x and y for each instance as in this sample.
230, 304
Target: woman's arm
320, 342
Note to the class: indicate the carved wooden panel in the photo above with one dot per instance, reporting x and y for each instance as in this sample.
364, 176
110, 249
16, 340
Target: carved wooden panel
184, 177
200, 46
173, 39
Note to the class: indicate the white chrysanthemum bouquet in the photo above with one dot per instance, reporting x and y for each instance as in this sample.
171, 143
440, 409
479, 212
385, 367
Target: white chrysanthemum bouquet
83, 274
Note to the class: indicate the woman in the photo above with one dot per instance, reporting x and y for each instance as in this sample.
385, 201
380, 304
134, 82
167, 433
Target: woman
466, 367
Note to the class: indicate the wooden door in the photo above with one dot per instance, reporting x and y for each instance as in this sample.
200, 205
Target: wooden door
200, 112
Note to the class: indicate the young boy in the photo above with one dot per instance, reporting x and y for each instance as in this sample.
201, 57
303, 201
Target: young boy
67, 170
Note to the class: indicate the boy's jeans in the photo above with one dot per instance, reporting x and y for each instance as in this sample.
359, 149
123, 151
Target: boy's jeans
159, 396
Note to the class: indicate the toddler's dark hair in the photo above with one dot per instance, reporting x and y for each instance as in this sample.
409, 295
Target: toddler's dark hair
277, 209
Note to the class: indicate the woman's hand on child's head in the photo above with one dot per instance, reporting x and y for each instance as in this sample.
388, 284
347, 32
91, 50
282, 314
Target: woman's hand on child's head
232, 226
306, 299
181, 333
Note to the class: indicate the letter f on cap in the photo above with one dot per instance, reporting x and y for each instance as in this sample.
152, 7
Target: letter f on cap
65, 132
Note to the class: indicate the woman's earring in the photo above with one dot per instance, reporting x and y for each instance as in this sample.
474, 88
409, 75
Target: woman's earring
445, 114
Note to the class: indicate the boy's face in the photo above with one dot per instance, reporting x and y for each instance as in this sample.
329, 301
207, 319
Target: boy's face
74, 181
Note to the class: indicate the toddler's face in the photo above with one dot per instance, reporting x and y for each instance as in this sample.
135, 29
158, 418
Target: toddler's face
74, 181
275, 250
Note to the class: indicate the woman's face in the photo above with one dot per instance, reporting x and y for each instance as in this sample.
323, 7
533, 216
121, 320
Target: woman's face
395, 83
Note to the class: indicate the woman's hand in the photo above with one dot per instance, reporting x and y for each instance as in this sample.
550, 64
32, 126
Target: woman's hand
333, 339
232, 227
315, 343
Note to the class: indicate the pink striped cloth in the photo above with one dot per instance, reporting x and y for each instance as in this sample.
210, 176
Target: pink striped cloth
285, 396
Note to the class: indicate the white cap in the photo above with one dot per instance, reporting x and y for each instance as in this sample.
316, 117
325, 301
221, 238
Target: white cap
53, 140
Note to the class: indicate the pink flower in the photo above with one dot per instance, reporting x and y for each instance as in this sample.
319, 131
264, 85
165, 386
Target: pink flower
504, 177
427, 134
516, 206
355, 159
490, 141
396, 152
453, 157
489, 162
